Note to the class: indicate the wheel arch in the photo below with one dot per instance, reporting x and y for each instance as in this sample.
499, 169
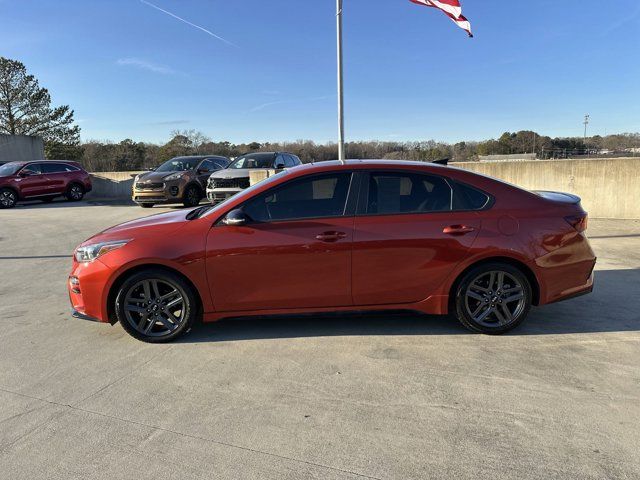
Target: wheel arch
523, 267
123, 275
14, 190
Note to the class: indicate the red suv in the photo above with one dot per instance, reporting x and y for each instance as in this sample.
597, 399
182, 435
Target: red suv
42, 180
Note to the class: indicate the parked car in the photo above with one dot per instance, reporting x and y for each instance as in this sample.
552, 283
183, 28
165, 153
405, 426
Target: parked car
42, 180
179, 180
235, 177
364, 235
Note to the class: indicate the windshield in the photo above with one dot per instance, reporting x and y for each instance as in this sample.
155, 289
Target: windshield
178, 165
9, 169
254, 160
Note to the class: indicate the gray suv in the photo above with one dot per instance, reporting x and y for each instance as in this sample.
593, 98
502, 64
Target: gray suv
235, 178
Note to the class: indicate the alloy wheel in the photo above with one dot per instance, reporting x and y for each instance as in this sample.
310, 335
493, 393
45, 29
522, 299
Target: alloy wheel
193, 198
154, 307
7, 198
495, 299
75, 192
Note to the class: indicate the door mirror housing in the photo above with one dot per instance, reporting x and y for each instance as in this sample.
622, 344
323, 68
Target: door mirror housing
235, 218
200, 171
26, 173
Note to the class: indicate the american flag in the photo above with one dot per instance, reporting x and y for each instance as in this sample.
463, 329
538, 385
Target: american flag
452, 9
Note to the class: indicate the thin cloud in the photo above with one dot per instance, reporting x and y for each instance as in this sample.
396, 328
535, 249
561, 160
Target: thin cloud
208, 32
170, 122
145, 65
262, 106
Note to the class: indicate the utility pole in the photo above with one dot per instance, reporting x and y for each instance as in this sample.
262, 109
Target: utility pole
586, 122
340, 83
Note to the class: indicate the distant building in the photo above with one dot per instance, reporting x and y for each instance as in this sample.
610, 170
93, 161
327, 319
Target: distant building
14, 148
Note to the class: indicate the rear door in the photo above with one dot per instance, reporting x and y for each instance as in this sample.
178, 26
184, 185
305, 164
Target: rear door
407, 237
57, 175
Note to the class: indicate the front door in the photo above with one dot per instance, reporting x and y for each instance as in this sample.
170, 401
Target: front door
407, 238
294, 253
33, 182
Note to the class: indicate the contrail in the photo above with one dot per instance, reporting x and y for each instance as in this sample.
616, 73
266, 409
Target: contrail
208, 32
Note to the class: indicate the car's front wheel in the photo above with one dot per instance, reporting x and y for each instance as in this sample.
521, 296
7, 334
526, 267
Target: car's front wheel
156, 306
192, 196
493, 298
146, 205
8, 198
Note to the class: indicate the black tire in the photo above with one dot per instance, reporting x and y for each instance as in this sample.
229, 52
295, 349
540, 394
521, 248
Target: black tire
75, 192
132, 303
493, 308
192, 196
146, 205
8, 198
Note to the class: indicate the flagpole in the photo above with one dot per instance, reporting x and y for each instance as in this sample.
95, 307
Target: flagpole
340, 83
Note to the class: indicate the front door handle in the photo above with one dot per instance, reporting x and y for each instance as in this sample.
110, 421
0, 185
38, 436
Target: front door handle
457, 230
330, 236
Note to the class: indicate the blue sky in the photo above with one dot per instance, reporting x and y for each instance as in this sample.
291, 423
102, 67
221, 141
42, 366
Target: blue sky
130, 70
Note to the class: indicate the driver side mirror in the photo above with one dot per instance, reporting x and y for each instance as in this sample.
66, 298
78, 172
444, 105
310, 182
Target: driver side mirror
200, 171
279, 165
26, 173
236, 218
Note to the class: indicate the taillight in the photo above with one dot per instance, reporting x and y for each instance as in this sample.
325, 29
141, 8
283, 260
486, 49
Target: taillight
579, 222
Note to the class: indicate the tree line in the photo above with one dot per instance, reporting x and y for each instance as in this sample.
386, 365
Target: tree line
130, 155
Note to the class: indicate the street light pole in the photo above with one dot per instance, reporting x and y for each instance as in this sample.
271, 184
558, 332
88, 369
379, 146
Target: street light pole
340, 83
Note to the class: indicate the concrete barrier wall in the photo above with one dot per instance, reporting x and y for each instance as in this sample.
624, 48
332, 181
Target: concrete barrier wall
18, 148
112, 185
609, 188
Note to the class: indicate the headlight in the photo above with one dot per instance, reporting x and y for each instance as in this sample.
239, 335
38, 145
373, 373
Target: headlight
174, 176
89, 253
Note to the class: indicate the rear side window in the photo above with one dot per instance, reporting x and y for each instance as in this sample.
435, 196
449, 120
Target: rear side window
58, 168
469, 198
312, 197
393, 193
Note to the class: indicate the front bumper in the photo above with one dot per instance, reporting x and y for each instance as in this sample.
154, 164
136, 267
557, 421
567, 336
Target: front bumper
82, 316
170, 192
218, 195
86, 286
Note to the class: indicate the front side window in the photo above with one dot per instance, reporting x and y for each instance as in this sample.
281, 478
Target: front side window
314, 197
32, 169
392, 193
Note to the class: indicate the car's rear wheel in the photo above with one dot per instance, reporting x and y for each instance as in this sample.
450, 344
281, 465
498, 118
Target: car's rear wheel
156, 306
493, 298
75, 192
8, 198
192, 196
146, 205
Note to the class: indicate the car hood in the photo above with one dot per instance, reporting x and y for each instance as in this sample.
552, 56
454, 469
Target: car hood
155, 225
154, 176
234, 172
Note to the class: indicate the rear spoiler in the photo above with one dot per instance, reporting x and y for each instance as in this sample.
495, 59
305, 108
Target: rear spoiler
559, 197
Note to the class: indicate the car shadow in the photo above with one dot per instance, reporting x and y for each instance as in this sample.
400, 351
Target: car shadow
614, 306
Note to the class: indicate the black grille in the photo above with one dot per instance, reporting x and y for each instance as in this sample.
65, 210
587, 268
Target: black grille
228, 183
149, 186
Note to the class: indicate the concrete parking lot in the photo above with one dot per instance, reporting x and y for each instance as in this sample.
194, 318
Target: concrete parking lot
380, 397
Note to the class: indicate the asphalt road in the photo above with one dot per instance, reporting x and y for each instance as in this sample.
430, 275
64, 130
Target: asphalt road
382, 397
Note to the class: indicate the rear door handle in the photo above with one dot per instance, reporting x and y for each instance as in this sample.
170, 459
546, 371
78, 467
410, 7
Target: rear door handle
330, 236
457, 230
